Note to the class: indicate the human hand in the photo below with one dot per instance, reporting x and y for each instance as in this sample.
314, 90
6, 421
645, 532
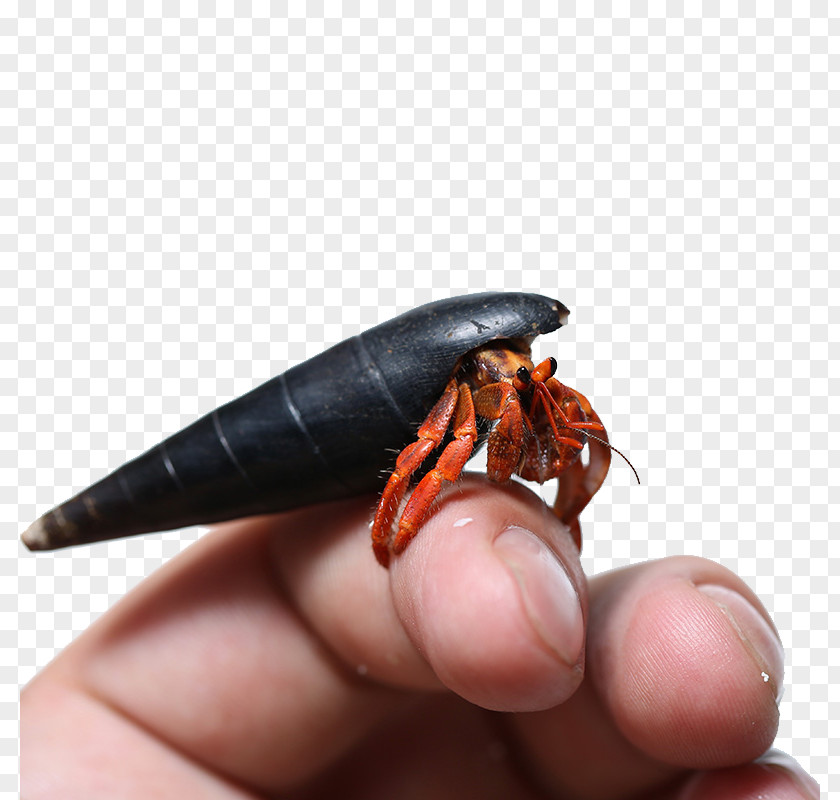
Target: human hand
275, 657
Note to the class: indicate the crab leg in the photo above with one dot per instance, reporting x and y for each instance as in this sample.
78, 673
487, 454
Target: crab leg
577, 485
504, 446
448, 468
429, 436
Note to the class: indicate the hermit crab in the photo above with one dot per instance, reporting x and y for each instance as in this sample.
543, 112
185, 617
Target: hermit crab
328, 429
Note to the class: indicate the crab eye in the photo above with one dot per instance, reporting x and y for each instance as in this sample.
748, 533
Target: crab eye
544, 370
522, 379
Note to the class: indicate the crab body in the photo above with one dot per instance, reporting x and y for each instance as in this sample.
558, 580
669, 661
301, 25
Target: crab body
541, 428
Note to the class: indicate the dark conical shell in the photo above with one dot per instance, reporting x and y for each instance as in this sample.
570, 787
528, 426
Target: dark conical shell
327, 428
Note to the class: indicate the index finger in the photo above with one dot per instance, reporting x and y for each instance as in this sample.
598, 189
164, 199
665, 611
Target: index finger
273, 645
487, 598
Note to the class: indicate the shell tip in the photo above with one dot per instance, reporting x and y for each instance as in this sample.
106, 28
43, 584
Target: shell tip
35, 537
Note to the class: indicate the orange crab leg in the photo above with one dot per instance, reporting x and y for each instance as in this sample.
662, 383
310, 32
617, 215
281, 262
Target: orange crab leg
577, 485
504, 445
547, 389
567, 423
429, 436
448, 468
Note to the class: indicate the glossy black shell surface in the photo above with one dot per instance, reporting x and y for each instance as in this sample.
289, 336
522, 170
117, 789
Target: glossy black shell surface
327, 428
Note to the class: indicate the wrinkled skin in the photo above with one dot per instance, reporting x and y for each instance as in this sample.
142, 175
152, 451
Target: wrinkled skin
275, 658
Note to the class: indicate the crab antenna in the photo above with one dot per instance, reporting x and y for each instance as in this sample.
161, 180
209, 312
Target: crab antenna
553, 423
614, 449
547, 398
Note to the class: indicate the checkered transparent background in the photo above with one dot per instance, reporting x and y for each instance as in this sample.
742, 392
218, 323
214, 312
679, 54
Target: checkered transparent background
197, 199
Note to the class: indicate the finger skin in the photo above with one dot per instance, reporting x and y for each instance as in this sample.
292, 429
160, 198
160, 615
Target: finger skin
477, 598
670, 686
76, 748
774, 776
442, 748
450, 611
450, 750
277, 653
272, 646
209, 658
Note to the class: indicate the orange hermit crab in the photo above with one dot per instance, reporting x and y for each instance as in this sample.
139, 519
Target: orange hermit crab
542, 429
327, 428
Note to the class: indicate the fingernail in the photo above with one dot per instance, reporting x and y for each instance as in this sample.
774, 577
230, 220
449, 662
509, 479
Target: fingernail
548, 594
757, 779
789, 766
758, 637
